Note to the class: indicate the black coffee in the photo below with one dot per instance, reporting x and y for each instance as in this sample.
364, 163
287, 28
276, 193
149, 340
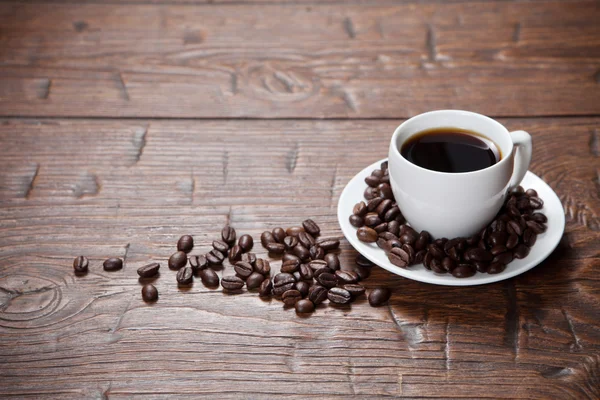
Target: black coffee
450, 150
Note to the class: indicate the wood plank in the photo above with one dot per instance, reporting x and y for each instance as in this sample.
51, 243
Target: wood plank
288, 61
132, 187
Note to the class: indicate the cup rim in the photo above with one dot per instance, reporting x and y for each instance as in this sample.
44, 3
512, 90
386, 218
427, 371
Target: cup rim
396, 151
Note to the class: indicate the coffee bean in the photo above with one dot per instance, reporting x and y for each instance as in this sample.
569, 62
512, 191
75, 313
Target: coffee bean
344, 277
436, 266
329, 244
198, 263
279, 234
372, 181
317, 252
318, 272
221, 246
382, 228
339, 295
246, 242
289, 256
360, 209
392, 214
385, 191
354, 289
290, 266
209, 277
496, 238
512, 241
80, 264
243, 269
497, 249
327, 279
529, 237
303, 287
294, 230
379, 296
149, 270
539, 217
373, 203
317, 264
185, 243
472, 241
496, 268
408, 238
503, 258
275, 248
372, 220
521, 251
232, 282
448, 264
304, 306
399, 257
235, 254
481, 244
266, 237
185, 276
498, 226
362, 272
435, 251
317, 294
228, 235
536, 227
518, 190
419, 256
249, 258
356, 221
513, 227
478, 254
362, 261
266, 288
333, 261
393, 227
463, 271
536, 203
215, 257
531, 193
301, 252
262, 266
114, 264
311, 227
454, 254
523, 204
410, 251
366, 234
481, 266
290, 297
383, 207
427, 260
306, 239
254, 280
290, 242
149, 293
513, 211
306, 272
283, 282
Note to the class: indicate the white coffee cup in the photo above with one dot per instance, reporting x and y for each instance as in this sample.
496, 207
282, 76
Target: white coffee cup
456, 204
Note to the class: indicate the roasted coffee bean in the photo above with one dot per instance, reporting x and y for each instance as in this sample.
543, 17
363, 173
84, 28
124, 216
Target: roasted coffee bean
302, 287
409, 236
266, 288
113, 264
385, 191
215, 257
503, 258
497, 238
410, 251
536, 203
440, 243
185, 243
81, 263
393, 227
427, 260
384, 166
399, 257
267, 237
221, 246
243, 269
290, 297
531, 193
478, 254
521, 251
232, 282
512, 241
304, 306
517, 190
294, 230
329, 244
149, 270
198, 263
311, 227
317, 294
333, 261
149, 293
378, 173
381, 228
356, 221
290, 242
383, 244
317, 252
249, 258
463, 271
372, 181
306, 239
513, 211
246, 242
481, 244
355, 290
289, 256
327, 279
185, 276
317, 264
539, 217
283, 282
279, 234
452, 243
235, 254
254, 280
360, 209
262, 266
362, 272
436, 252
481, 266
297, 276
536, 227
523, 203
379, 296
421, 243
448, 264
344, 277
496, 268
472, 241
366, 234
301, 252
497, 249
454, 254
228, 235
392, 214
290, 266
362, 261
419, 256
339, 295
373, 203
372, 220
529, 237
513, 227
499, 226
383, 207
306, 272
209, 277
436, 266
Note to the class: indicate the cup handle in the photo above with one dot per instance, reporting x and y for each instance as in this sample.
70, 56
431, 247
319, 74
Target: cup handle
522, 141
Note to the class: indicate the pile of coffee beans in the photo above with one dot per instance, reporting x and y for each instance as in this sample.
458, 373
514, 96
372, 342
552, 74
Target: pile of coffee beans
510, 235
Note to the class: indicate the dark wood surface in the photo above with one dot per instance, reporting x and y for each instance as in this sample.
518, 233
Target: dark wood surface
79, 178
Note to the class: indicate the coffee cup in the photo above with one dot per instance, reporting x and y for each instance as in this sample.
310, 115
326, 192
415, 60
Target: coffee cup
451, 204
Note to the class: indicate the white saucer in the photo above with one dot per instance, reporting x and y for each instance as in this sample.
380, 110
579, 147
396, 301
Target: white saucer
545, 244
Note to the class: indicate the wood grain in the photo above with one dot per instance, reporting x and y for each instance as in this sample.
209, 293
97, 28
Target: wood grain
297, 61
132, 187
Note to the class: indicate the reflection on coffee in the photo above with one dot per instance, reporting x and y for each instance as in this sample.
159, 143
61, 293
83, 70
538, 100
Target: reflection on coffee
450, 150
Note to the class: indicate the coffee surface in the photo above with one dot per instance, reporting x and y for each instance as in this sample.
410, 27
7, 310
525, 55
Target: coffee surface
450, 150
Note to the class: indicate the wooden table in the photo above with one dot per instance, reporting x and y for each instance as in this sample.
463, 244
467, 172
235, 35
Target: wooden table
126, 124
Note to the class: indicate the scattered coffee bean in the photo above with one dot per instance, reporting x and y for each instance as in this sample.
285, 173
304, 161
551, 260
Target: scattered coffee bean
539, 218
290, 257
209, 277
339, 295
344, 277
366, 234
301, 252
149, 270
356, 221
373, 204
317, 294
399, 257
311, 227
149, 293
185, 276
266, 237
382, 228
329, 244
360, 209
290, 297
306, 239
362, 261
185, 243
463, 271
283, 282
355, 290
379, 296
290, 266
332, 260
304, 306
249, 258
266, 288
246, 242
306, 272
372, 220
262, 266
275, 248
372, 181
316, 252
113, 264
279, 234
385, 191
215, 257
481, 266
254, 280
290, 242
198, 263
232, 282
221, 246
303, 287
317, 264
243, 269
294, 230
327, 279
235, 254
80, 264
228, 235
